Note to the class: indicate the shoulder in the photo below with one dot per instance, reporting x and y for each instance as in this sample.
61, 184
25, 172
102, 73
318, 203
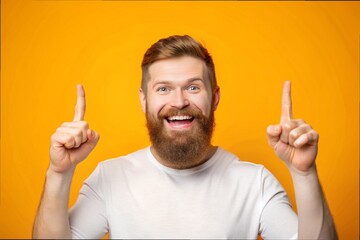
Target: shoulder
131, 159
236, 165
139, 154
245, 171
120, 168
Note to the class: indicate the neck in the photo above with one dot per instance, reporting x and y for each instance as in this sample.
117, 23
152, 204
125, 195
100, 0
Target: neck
185, 163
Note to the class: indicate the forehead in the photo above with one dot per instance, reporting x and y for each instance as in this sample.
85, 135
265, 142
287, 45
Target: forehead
174, 69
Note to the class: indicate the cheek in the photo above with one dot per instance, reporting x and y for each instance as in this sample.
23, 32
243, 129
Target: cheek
155, 104
203, 103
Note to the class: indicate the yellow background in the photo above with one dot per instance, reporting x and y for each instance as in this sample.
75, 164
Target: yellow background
47, 47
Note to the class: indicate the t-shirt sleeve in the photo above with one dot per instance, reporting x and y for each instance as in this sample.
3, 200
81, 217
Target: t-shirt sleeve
88, 215
278, 220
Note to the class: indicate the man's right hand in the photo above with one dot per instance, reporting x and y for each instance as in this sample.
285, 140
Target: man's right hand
73, 141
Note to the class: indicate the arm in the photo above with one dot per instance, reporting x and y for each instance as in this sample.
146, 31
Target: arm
296, 143
315, 220
52, 220
70, 144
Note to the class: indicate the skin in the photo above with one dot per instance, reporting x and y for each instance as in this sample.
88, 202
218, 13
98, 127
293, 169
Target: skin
179, 83
70, 144
294, 141
73, 141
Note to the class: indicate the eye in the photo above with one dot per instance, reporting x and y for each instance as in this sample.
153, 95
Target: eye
162, 89
193, 88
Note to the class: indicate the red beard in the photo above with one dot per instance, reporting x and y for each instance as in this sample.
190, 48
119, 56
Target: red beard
181, 148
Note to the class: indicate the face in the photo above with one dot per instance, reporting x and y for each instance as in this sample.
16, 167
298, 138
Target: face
179, 106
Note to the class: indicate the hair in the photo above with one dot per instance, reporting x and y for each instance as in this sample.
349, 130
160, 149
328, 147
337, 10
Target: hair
177, 46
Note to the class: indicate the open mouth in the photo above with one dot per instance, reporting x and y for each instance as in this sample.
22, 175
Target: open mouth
180, 121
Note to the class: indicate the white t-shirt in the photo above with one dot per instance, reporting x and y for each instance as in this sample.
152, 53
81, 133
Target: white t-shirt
137, 197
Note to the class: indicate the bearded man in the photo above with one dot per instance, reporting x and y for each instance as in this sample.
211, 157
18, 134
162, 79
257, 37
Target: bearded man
182, 186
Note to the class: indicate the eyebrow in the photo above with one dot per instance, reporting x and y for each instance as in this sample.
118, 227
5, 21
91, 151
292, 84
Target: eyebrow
194, 79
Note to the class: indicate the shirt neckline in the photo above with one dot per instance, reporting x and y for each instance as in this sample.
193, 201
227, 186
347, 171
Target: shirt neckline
184, 172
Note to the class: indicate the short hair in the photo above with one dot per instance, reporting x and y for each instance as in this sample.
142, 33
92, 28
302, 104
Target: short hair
177, 46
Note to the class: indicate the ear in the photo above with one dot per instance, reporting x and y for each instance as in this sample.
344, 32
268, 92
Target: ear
216, 98
142, 100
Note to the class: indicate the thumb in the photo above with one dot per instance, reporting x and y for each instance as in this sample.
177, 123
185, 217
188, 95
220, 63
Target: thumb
273, 134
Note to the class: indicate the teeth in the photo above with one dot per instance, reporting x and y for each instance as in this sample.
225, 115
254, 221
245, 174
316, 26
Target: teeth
179, 118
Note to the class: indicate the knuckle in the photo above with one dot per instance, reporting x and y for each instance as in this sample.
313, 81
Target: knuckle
305, 127
64, 124
300, 120
308, 126
268, 129
287, 126
293, 134
310, 135
84, 124
314, 134
78, 133
284, 137
53, 137
69, 139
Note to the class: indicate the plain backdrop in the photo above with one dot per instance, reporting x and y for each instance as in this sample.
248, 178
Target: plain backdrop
47, 47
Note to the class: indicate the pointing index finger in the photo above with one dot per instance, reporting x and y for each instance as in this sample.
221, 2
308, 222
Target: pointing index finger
286, 106
80, 104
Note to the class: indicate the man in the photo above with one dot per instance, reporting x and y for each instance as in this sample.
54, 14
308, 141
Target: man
182, 186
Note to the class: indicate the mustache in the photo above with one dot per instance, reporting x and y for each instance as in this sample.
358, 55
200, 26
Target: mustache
190, 111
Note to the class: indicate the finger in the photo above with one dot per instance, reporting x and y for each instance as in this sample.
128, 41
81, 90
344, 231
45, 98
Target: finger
298, 131
93, 138
80, 104
89, 145
310, 138
79, 124
82, 125
63, 140
273, 134
286, 106
71, 140
79, 135
287, 127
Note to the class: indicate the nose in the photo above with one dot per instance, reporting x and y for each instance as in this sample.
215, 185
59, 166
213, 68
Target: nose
179, 100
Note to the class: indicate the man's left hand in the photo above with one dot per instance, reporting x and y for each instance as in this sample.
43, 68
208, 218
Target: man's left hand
294, 141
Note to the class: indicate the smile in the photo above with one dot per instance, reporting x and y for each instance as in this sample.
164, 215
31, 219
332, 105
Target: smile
180, 121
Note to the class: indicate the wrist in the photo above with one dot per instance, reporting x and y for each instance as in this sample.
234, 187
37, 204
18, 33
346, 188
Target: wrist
58, 183
52, 172
296, 172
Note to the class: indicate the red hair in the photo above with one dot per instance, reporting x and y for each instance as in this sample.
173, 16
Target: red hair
177, 46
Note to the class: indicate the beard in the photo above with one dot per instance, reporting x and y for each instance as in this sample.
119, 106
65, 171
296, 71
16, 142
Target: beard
182, 149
